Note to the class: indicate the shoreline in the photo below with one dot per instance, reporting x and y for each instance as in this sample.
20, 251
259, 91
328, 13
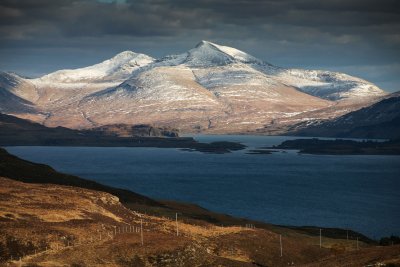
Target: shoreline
158, 207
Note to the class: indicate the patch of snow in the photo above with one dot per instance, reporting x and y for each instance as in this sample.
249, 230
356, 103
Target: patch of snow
236, 53
113, 70
328, 85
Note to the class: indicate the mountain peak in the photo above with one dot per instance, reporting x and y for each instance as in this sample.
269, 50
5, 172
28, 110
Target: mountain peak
207, 53
122, 58
204, 43
126, 52
118, 67
124, 55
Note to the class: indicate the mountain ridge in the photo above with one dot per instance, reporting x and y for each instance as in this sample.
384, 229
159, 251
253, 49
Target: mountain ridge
210, 88
118, 67
379, 120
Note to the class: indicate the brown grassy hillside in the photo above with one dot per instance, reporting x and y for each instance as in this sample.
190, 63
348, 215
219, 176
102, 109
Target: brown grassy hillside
53, 219
53, 225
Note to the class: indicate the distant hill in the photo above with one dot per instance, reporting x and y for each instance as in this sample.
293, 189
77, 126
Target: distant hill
380, 120
11, 125
342, 147
18, 132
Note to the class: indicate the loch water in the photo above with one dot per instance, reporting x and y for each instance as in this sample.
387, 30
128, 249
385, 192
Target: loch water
359, 192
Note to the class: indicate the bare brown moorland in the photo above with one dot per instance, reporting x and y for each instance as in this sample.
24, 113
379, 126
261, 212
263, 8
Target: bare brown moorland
53, 225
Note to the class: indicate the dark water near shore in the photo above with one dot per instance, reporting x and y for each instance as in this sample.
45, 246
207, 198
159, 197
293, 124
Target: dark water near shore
357, 192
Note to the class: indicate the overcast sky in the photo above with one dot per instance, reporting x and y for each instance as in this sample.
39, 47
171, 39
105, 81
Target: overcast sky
359, 37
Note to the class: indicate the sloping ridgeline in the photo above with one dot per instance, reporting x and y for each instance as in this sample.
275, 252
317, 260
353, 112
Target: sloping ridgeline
342, 147
18, 132
29, 172
380, 120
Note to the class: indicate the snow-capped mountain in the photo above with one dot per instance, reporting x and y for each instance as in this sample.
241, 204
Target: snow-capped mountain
210, 88
324, 84
113, 70
207, 54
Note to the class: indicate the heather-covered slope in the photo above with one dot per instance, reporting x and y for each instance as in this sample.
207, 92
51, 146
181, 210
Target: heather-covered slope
43, 223
25, 171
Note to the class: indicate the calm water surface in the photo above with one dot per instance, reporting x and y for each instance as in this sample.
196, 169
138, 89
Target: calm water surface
357, 192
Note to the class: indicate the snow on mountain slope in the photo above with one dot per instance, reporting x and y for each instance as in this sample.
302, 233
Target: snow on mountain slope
59, 93
113, 70
329, 85
165, 95
323, 84
206, 54
209, 88
161, 84
236, 54
209, 54
13, 93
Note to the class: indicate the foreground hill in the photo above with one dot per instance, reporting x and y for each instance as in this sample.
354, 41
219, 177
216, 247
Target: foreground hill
210, 88
58, 225
22, 170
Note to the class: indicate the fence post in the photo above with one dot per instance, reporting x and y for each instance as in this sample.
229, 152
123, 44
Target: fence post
141, 230
320, 238
176, 220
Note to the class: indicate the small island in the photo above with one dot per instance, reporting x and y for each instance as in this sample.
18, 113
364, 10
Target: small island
260, 152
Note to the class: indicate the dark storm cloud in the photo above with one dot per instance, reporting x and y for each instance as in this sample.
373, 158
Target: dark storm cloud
84, 17
335, 34
169, 17
304, 12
